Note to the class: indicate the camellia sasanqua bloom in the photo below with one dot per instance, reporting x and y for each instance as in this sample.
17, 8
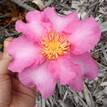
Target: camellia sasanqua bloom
54, 48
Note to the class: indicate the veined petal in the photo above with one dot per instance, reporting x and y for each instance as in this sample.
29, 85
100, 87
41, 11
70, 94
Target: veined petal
24, 53
64, 70
88, 65
40, 77
59, 22
85, 36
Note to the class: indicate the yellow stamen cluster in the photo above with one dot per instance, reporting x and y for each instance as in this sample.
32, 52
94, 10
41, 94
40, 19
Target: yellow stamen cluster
54, 45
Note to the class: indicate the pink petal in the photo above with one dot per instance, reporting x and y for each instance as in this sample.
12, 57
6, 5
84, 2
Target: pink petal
33, 30
40, 77
24, 53
59, 22
64, 70
77, 84
85, 36
88, 65
37, 25
39, 17
70, 28
25, 78
34, 16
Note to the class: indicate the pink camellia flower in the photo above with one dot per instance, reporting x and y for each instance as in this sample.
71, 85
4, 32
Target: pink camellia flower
54, 48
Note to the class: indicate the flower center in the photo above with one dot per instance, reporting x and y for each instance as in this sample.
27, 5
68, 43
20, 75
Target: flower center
54, 45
